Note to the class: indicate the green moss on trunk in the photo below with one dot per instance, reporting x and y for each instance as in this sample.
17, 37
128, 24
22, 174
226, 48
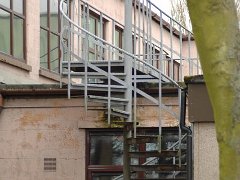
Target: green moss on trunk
216, 32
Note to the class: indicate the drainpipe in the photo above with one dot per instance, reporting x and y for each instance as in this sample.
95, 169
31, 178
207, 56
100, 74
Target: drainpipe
1, 103
189, 134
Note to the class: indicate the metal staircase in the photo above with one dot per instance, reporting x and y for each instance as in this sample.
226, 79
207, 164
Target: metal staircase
108, 74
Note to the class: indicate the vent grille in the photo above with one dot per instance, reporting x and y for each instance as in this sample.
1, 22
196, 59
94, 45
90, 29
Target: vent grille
50, 164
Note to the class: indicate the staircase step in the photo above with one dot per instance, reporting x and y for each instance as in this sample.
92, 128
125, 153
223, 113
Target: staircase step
119, 113
163, 153
99, 87
104, 99
99, 63
162, 167
143, 139
93, 75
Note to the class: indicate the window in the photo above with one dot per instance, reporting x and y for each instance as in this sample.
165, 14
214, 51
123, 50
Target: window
50, 35
118, 41
12, 31
105, 152
94, 24
176, 66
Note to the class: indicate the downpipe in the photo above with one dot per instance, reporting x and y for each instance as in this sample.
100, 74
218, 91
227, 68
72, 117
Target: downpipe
186, 129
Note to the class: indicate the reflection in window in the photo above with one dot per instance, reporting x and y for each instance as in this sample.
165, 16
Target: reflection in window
106, 150
50, 35
5, 31
12, 21
18, 37
18, 6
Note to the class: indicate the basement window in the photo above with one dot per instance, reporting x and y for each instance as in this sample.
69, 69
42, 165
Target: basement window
50, 164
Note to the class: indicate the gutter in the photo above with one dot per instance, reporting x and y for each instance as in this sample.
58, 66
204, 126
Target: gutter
186, 129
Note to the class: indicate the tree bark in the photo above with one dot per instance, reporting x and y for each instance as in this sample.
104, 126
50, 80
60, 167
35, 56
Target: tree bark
216, 32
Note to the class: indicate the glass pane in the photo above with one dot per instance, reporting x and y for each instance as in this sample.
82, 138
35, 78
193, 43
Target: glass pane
92, 25
5, 31
43, 13
54, 15
43, 49
54, 53
18, 37
106, 150
18, 6
5, 3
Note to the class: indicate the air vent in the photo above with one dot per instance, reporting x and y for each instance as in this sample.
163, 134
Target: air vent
50, 164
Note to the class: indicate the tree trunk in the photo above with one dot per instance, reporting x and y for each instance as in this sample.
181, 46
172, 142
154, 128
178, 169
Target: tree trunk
216, 32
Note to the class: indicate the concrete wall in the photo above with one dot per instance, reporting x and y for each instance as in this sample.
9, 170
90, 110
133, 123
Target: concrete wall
206, 165
39, 127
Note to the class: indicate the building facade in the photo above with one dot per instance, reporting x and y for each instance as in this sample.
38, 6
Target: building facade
45, 135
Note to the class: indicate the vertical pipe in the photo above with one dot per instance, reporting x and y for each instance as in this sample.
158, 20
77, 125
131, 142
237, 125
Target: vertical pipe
150, 31
189, 54
179, 127
181, 65
86, 59
160, 112
128, 79
109, 86
69, 54
101, 36
171, 47
161, 44
113, 40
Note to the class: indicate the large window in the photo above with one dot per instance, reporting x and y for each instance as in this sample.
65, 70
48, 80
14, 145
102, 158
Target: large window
12, 28
50, 35
105, 152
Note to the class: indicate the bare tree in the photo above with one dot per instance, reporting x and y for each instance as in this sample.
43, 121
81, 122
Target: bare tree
216, 32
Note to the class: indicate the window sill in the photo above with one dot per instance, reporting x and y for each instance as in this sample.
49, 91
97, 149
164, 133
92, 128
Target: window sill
49, 74
14, 62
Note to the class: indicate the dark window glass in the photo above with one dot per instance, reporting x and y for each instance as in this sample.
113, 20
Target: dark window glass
104, 176
5, 31
18, 37
106, 150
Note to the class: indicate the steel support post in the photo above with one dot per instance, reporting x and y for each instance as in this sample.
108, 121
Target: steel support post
128, 70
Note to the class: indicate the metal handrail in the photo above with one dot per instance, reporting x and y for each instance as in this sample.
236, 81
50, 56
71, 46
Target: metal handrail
153, 159
115, 47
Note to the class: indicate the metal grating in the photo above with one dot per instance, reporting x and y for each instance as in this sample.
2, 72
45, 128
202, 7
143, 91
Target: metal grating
50, 164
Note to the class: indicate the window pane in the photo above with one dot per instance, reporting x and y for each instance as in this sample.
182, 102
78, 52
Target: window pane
106, 150
54, 15
18, 37
5, 31
54, 50
18, 6
43, 49
5, 3
43, 13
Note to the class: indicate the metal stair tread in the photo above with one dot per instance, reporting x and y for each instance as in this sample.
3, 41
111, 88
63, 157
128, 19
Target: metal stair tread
89, 74
143, 139
163, 153
160, 167
118, 100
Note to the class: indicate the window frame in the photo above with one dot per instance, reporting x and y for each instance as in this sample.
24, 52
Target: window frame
118, 169
49, 33
23, 17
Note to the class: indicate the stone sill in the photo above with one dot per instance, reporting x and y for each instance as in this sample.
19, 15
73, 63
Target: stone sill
49, 74
14, 62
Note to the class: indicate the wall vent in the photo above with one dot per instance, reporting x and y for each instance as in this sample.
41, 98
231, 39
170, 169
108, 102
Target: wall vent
50, 164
